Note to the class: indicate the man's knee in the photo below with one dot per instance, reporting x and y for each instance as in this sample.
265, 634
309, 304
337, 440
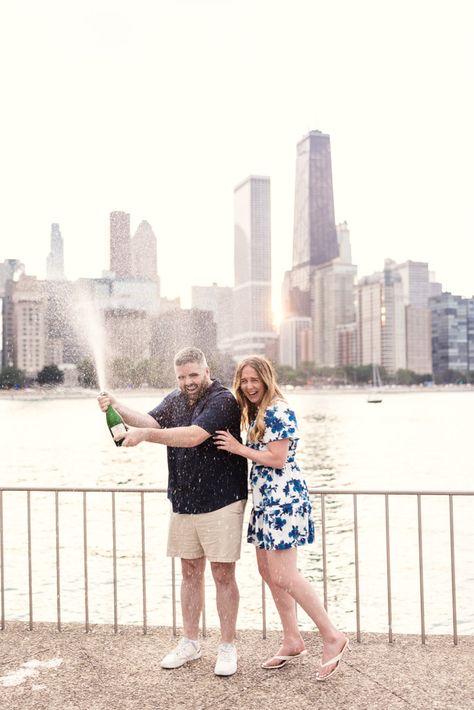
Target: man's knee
193, 569
223, 572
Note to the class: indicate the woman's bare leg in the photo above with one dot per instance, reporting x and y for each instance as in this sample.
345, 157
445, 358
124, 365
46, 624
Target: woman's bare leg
292, 643
283, 572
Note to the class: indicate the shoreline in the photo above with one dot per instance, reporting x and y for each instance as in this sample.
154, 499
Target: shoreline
81, 393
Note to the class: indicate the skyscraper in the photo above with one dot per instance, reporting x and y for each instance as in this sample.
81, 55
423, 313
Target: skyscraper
253, 331
55, 260
332, 308
143, 248
295, 341
319, 286
381, 319
314, 235
120, 249
218, 300
453, 335
29, 307
395, 319
10, 271
416, 289
344, 243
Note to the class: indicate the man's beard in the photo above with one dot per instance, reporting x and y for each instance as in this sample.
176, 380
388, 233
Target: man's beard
196, 394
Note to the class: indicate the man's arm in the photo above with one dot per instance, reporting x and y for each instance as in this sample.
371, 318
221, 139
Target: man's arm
130, 416
183, 437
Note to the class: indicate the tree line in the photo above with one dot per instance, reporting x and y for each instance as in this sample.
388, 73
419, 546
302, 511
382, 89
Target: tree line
309, 374
122, 372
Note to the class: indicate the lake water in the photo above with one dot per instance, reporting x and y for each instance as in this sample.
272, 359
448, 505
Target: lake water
412, 441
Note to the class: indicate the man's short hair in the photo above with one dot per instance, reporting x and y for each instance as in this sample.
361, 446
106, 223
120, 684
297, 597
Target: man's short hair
190, 355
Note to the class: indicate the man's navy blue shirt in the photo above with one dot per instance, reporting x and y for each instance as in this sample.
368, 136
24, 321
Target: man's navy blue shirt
203, 478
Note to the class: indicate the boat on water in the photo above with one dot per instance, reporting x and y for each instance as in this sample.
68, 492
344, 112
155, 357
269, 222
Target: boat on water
374, 397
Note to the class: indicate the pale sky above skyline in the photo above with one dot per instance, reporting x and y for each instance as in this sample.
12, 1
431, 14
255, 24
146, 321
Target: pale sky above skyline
160, 107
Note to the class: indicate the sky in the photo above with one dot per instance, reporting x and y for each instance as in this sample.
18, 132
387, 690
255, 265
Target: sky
161, 107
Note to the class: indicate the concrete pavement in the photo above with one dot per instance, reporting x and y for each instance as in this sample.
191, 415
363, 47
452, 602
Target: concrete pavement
47, 670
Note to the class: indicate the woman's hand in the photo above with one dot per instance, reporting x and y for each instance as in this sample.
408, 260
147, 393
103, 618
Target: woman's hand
226, 442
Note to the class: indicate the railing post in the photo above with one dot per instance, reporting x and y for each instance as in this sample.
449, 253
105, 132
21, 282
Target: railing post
2, 561
30, 567
173, 593
58, 560
86, 573
114, 562
2, 564
356, 563
323, 537
453, 571
142, 514
420, 564
203, 615
389, 574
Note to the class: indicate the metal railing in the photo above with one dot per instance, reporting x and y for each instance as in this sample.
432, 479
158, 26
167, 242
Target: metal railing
450, 495
322, 495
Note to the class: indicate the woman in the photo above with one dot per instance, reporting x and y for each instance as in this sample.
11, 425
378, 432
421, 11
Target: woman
281, 516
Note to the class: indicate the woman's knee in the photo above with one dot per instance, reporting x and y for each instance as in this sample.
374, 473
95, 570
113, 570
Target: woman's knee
280, 577
263, 571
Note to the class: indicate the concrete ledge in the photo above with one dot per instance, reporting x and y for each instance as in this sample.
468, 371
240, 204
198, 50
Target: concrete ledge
101, 670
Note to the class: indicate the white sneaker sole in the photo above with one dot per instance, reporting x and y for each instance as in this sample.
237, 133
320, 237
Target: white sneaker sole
224, 673
170, 666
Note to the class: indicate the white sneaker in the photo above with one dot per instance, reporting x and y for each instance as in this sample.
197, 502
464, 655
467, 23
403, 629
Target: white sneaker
226, 663
185, 651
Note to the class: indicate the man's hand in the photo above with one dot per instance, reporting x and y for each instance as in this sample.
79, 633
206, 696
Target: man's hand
104, 399
133, 437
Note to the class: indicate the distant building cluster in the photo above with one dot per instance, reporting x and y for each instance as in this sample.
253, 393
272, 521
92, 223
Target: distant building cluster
397, 318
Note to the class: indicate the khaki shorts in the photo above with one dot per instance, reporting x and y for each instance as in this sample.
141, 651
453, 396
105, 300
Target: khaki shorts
216, 535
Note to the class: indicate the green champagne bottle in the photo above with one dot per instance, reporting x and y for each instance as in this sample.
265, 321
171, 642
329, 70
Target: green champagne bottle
115, 423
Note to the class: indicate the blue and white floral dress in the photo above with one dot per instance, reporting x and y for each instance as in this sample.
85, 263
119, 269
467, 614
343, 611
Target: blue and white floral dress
281, 514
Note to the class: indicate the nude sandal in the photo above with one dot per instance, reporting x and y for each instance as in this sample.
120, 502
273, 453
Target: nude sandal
337, 660
283, 660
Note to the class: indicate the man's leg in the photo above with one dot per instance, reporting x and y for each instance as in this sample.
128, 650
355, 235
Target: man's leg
227, 598
192, 595
220, 535
183, 542
227, 601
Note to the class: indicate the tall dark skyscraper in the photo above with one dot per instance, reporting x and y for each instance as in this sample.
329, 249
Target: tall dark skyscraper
318, 298
55, 260
120, 247
314, 235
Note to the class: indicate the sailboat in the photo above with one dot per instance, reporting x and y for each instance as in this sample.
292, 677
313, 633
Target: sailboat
375, 397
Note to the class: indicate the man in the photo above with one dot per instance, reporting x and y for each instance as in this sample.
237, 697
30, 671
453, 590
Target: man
207, 489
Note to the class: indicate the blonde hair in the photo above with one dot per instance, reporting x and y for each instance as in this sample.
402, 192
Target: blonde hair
272, 393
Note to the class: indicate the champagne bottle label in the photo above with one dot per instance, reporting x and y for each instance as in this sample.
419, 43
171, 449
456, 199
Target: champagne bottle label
118, 429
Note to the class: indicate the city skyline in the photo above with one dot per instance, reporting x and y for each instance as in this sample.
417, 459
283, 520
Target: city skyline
156, 111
